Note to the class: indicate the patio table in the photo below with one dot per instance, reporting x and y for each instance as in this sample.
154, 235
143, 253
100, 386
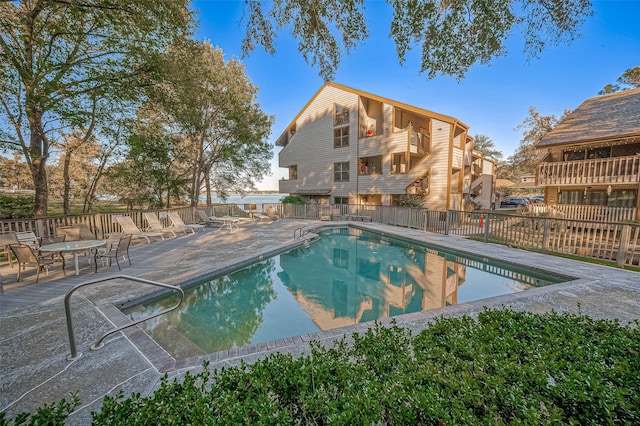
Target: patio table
74, 247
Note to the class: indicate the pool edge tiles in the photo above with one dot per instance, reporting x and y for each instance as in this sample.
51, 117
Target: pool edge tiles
286, 342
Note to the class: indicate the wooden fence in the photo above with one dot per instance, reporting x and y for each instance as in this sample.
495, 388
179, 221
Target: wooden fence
616, 242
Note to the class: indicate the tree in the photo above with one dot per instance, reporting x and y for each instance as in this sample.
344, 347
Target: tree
452, 34
485, 146
212, 103
525, 159
14, 173
58, 57
76, 169
628, 80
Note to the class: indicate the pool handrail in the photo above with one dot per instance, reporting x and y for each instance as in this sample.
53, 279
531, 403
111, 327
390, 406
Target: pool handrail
98, 344
303, 231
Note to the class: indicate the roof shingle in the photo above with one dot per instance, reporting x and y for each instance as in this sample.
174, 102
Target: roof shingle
604, 117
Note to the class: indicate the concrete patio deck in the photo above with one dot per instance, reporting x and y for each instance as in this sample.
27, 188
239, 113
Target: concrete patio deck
33, 337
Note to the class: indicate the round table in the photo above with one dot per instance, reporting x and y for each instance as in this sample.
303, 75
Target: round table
74, 247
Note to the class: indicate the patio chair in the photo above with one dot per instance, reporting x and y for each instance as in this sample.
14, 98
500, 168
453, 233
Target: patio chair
113, 252
156, 226
5, 241
28, 238
129, 227
177, 222
71, 233
76, 232
25, 256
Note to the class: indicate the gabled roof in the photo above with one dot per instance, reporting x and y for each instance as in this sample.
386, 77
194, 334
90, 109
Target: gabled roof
408, 107
613, 116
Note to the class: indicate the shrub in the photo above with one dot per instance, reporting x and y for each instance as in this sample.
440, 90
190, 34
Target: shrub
293, 199
503, 367
16, 207
410, 201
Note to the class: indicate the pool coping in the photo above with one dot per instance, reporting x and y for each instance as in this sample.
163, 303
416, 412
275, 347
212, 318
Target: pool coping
164, 362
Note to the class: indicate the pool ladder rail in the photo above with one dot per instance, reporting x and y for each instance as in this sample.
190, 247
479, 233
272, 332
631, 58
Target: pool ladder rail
99, 343
300, 232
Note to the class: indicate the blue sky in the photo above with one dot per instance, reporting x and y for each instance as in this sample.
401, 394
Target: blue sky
492, 99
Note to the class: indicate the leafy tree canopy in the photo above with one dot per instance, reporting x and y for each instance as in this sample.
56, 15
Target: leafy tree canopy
485, 146
525, 159
453, 35
629, 79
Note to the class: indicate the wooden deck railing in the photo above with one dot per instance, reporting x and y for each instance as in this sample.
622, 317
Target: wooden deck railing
603, 171
617, 242
585, 212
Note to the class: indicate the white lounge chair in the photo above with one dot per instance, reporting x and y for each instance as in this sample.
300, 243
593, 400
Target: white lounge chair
177, 222
156, 226
129, 227
229, 222
262, 217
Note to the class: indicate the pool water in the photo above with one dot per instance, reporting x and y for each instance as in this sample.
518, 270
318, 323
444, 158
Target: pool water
347, 276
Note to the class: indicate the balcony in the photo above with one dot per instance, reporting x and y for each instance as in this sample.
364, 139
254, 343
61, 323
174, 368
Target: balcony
604, 171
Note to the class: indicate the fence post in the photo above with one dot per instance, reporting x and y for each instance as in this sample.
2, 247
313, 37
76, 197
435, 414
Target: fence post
625, 235
486, 226
447, 223
545, 235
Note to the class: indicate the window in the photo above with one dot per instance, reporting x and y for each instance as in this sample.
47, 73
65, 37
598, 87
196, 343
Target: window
341, 137
341, 200
341, 172
340, 116
341, 258
622, 198
370, 165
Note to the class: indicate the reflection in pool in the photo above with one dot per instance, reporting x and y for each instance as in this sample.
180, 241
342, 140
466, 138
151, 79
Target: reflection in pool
347, 276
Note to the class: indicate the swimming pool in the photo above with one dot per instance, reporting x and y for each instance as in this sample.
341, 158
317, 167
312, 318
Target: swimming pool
347, 276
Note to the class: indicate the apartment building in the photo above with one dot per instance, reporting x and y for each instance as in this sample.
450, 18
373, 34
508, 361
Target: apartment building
350, 147
593, 156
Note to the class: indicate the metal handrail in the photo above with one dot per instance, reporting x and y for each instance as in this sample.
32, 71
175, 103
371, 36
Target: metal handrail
98, 344
303, 231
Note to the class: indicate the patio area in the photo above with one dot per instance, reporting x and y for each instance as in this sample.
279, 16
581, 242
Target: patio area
34, 338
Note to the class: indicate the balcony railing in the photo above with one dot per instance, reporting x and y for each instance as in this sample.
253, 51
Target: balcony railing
614, 170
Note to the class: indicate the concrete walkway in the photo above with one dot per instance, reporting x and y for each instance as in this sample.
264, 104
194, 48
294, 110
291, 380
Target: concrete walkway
33, 337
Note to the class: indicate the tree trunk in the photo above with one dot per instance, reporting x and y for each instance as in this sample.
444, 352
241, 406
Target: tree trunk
207, 182
66, 202
38, 154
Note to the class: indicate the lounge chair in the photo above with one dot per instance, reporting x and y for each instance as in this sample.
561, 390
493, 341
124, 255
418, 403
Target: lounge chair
211, 220
26, 256
262, 217
129, 227
177, 222
229, 222
156, 226
113, 252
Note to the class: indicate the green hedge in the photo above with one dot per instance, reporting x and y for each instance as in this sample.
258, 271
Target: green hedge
16, 207
503, 367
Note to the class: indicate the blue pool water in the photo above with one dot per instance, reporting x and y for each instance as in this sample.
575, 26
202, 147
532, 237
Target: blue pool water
347, 276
